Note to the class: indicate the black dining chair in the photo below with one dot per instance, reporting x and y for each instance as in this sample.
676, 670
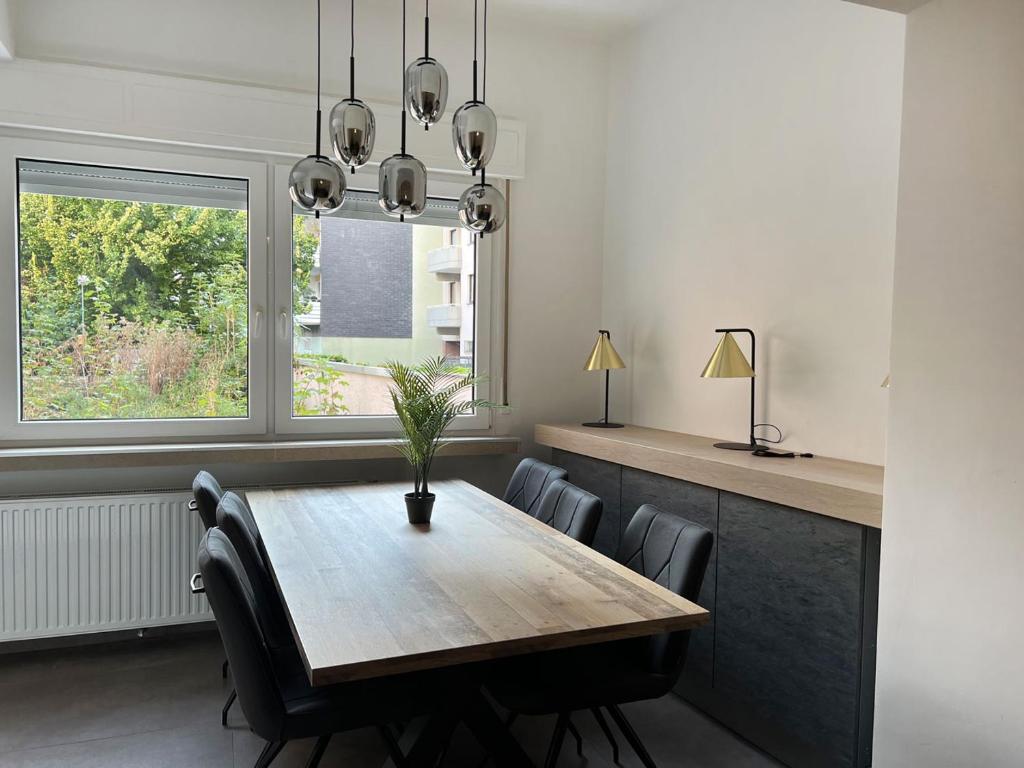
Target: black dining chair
668, 550
528, 483
206, 495
235, 519
571, 510
275, 695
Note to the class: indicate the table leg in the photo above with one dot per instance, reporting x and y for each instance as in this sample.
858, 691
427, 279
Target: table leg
493, 735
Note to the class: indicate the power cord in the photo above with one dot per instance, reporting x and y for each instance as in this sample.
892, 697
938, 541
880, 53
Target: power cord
768, 453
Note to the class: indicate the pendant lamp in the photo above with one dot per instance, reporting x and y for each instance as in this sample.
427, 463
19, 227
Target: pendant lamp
353, 127
316, 183
482, 207
426, 83
474, 126
402, 181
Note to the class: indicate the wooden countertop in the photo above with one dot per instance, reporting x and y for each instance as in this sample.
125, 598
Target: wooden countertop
846, 490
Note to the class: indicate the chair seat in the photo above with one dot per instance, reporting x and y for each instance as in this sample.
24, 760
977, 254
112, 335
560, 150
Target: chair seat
575, 679
313, 711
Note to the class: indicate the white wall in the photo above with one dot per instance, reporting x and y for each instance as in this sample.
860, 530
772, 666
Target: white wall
549, 78
950, 688
752, 167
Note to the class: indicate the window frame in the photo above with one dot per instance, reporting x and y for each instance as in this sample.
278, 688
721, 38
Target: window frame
354, 425
254, 172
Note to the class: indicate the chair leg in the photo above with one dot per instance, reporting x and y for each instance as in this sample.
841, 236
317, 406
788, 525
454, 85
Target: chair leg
224, 670
608, 734
269, 753
318, 751
227, 705
555, 748
576, 735
394, 751
631, 737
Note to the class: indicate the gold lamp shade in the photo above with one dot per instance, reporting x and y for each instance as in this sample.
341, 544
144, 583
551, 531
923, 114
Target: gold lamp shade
728, 361
888, 381
603, 356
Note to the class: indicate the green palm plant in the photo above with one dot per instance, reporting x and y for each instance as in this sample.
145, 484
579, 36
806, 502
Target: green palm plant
425, 397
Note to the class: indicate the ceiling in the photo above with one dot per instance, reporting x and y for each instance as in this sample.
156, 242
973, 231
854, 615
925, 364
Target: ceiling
601, 17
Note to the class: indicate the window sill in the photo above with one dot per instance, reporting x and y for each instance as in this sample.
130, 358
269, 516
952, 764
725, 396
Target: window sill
160, 455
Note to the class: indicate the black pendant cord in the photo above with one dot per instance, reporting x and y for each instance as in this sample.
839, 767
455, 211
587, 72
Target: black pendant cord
426, 41
318, 78
483, 93
401, 216
352, 52
476, 28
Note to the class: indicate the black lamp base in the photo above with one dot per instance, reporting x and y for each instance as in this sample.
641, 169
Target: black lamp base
739, 447
603, 424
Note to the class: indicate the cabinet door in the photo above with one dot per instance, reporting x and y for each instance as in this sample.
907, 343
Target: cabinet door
698, 504
602, 479
788, 630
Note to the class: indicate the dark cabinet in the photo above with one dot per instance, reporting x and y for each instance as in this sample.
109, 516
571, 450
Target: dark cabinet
789, 630
787, 660
604, 480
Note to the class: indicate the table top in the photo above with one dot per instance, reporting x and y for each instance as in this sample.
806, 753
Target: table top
846, 490
367, 594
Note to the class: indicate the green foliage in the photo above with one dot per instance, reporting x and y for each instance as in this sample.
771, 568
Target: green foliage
165, 308
427, 399
305, 241
317, 390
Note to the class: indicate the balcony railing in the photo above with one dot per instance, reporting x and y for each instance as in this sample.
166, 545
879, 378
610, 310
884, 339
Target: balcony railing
444, 316
447, 260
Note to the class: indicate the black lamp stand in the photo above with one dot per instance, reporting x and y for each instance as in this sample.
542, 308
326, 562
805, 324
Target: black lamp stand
604, 424
752, 445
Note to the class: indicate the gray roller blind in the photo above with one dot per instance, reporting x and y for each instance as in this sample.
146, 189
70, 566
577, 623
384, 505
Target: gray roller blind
72, 180
362, 204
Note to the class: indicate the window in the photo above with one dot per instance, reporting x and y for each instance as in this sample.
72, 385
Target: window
367, 289
138, 299
133, 294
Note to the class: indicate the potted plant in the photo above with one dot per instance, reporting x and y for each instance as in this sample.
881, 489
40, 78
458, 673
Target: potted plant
427, 399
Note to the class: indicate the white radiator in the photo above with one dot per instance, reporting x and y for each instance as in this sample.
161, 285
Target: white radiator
97, 563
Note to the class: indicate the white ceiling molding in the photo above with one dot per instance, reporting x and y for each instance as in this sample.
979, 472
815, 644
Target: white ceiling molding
899, 6
176, 110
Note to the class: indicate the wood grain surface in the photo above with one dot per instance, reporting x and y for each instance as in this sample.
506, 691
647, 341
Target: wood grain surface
368, 594
846, 490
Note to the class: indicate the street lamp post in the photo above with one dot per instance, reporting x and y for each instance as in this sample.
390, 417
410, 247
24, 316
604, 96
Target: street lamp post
83, 280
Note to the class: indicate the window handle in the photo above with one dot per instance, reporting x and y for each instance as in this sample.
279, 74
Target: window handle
257, 323
282, 325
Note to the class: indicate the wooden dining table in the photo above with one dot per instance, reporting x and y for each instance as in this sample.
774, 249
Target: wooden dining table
368, 595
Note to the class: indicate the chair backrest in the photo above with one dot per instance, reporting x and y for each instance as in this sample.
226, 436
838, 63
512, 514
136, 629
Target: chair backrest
570, 510
235, 609
674, 553
206, 493
529, 482
236, 521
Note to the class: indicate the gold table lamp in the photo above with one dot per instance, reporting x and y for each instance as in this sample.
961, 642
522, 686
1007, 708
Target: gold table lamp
603, 357
728, 362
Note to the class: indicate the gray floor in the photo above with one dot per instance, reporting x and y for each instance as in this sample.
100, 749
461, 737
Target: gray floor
157, 703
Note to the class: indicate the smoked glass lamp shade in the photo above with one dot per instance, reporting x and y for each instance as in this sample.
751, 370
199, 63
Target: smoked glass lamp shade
426, 90
482, 209
317, 184
474, 134
402, 189
353, 130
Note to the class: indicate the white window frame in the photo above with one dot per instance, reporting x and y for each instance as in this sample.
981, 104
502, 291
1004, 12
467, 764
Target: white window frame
353, 425
12, 427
